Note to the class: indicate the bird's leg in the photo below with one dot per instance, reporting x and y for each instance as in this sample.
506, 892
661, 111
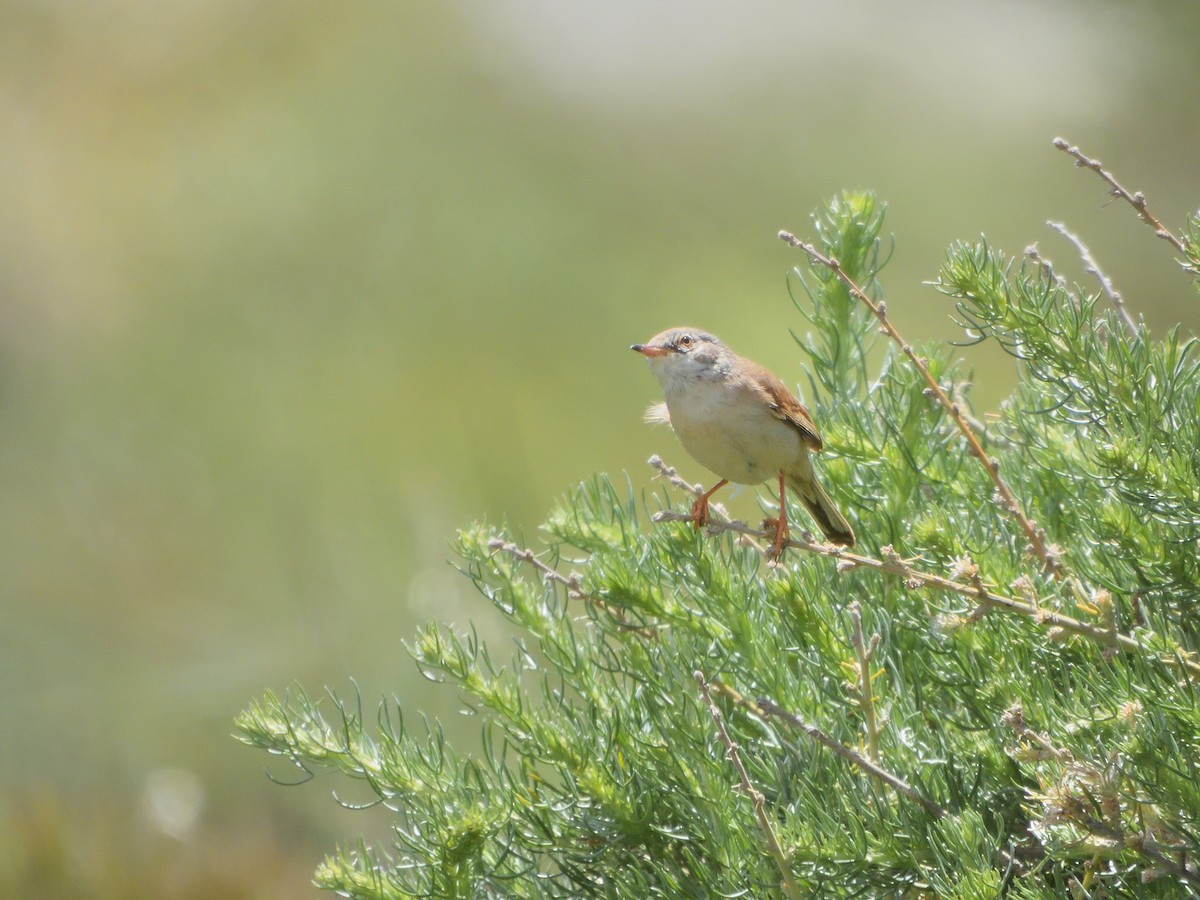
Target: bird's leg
700, 507
781, 524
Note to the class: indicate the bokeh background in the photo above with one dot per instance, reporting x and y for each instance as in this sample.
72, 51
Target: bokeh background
290, 290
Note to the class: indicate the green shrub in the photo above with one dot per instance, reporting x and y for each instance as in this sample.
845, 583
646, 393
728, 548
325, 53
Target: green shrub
996, 692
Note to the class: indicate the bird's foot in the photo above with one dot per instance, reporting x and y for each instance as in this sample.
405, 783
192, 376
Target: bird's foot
780, 528
699, 513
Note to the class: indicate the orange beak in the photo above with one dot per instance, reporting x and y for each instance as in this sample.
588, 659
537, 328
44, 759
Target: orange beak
649, 350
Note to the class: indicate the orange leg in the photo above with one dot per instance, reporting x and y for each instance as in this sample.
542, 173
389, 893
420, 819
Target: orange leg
700, 507
780, 524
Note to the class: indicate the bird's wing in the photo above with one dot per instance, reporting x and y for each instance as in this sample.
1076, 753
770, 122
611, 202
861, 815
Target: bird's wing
785, 407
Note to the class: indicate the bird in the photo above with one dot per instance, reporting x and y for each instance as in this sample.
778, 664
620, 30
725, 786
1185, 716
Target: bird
736, 418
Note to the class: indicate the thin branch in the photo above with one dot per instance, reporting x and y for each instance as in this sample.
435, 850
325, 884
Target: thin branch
1093, 268
716, 512
1168, 860
1137, 199
1036, 536
892, 564
1014, 720
1044, 264
672, 476
760, 807
765, 709
570, 582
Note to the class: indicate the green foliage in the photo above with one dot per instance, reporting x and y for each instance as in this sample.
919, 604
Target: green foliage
1046, 760
1102, 414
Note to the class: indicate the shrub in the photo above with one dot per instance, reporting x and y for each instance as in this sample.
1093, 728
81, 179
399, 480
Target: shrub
995, 692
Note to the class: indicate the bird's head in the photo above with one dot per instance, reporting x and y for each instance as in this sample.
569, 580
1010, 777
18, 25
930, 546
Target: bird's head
685, 354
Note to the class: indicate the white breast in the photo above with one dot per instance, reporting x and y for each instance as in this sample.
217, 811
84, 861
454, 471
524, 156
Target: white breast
731, 431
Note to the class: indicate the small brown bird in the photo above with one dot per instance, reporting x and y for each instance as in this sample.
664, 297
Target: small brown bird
737, 419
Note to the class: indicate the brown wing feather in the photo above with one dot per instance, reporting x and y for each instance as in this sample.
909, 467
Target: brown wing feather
784, 405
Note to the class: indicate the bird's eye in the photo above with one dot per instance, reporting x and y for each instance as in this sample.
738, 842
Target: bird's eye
685, 341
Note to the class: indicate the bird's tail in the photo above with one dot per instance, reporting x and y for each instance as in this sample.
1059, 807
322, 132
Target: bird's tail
827, 516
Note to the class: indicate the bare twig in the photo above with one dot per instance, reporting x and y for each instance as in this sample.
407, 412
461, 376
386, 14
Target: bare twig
760, 807
672, 476
714, 509
764, 709
570, 582
892, 564
1036, 536
1014, 720
1167, 860
1136, 199
1093, 268
1036, 257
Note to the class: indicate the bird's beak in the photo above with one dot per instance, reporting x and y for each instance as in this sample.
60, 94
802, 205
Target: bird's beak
649, 350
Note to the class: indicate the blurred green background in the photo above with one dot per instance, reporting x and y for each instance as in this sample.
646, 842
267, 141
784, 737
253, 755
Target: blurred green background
290, 290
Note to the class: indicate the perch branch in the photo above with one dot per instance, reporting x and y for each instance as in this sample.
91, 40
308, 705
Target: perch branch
1136, 199
892, 564
1036, 536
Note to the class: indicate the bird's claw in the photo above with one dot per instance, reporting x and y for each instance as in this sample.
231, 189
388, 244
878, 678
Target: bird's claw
780, 530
